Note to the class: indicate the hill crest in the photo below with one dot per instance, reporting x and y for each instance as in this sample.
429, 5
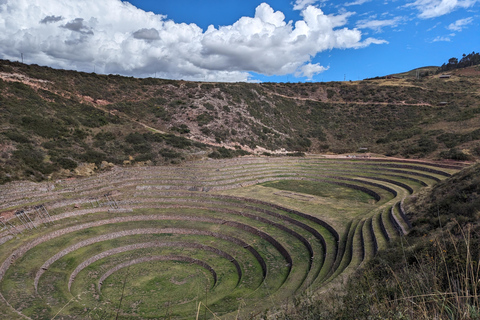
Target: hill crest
54, 121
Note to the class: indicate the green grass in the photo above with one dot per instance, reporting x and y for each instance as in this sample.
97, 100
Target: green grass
333, 117
226, 212
320, 189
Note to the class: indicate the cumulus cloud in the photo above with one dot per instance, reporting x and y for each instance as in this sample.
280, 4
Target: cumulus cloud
460, 24
309, 70
116, 37
378, 25
436, 8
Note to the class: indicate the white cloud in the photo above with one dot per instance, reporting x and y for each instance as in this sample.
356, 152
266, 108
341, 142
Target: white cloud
436, 8
116, 37
356, 3
460, 24
302, 4
441, 38
309, 70
378, 25
435, 26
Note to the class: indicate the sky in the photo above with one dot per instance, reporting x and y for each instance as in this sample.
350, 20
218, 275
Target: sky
239, 40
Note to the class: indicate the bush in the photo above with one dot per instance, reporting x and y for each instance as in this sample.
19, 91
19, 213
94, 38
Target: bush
66, 163
423, 146
16, 136
47, 128
135, 138
221, 153
105, 136
204, 119
455, 154
169, 153
92, 156
178, 142
145, 157
182, 129
142, 147
34, 159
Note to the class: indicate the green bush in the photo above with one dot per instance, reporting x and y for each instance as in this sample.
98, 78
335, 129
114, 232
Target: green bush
182, 129
177, 142
221, 153
145, 157
44, 127
204, 119
16, 136
423, 146
93, 156
33, 159
135, 138
105, 136
66, 163
169, 153
455, 154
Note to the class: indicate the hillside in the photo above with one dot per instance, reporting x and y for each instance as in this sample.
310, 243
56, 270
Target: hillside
56, 123
431, 273
225, 239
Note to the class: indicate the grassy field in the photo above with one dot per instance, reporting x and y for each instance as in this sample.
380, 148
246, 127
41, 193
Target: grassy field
223, 238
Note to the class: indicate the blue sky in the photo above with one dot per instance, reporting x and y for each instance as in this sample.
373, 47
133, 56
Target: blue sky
239, 40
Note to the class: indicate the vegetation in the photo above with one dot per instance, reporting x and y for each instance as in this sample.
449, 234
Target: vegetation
239, 238
229, 238
431, 273
467, 60
70, 118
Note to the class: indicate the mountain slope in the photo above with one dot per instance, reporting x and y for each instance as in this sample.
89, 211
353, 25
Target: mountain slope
430, 273
52, 121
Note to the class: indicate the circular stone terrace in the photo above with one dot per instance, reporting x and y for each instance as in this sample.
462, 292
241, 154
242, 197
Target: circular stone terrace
226, 238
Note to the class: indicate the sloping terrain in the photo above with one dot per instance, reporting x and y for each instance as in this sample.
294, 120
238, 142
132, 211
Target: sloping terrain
432, 273
169, 201
225, 238
52, 122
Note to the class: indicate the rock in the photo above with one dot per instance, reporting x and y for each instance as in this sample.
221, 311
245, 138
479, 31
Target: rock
85, 169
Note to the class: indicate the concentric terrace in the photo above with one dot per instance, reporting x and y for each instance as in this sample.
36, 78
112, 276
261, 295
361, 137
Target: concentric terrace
209, 239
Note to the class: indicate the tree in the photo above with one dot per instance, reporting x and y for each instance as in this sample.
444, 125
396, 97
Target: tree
453, 61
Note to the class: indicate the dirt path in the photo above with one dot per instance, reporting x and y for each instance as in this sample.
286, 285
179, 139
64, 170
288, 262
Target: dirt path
402, 103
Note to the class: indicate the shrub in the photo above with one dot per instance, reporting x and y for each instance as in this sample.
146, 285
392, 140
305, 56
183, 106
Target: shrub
177, 142
44, 127
423, 146
16, 136
142, 147
66, 163
221, 153
145, 157
92, 156
135, 138
169, 153
296, 154
206, 131
34, 159
209, 106
204, 119
455, 154
105, 136
182, 129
